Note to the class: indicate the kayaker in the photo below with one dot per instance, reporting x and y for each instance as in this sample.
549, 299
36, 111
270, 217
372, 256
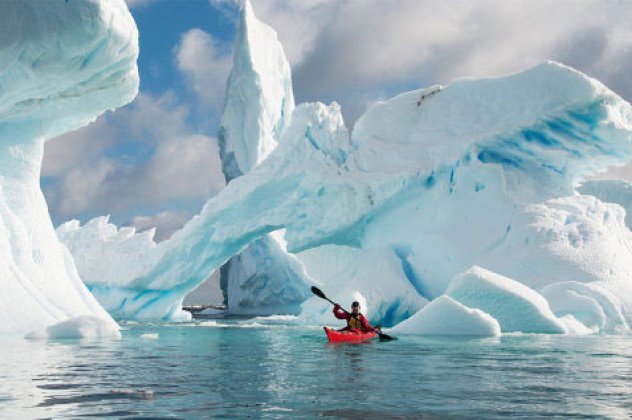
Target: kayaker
356, 322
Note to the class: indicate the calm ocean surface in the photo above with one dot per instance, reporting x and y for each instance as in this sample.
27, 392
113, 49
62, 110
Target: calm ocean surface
273, 368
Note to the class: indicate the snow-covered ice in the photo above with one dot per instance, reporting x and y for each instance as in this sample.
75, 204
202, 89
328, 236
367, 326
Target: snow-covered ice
590, 303
61, 65
446, 316
107, 257
514, 305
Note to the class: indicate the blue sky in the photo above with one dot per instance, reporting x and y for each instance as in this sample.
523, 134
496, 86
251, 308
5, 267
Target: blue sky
161, 27
155, 162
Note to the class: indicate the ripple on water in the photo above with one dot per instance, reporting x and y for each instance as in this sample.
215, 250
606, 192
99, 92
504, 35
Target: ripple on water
283, 370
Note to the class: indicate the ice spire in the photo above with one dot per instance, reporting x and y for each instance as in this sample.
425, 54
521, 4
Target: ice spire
258, 108
259, 98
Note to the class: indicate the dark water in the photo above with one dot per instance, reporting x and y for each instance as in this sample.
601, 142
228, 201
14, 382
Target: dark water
270, 369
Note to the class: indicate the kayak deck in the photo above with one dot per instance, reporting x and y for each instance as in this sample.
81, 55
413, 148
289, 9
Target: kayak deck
347, 337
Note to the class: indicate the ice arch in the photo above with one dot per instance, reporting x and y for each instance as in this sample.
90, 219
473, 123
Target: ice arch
432, 181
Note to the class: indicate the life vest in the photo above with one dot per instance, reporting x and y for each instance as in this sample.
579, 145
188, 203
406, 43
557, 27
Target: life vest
354, 322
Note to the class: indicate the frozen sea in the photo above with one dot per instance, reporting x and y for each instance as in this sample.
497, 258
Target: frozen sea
271, 367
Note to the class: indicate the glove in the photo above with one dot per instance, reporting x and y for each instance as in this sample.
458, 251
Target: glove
337, 306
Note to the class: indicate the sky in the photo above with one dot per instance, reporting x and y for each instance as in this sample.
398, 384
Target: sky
155, 162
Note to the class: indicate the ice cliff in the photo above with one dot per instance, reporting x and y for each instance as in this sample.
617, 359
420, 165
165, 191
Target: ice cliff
464, 193
61, 65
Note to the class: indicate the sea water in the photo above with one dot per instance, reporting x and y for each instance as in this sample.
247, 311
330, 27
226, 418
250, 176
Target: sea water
272, 367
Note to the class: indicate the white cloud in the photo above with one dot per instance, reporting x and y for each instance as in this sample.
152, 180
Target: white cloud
61, 156
205, 62
298, 23
78, 188
144, 156
616, 172
181, 167
356, 51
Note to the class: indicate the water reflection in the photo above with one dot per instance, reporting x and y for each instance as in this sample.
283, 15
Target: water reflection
283, 370
30, 369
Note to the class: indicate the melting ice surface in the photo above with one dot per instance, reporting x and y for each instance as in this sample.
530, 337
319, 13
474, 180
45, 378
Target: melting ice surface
466, 191
61, 65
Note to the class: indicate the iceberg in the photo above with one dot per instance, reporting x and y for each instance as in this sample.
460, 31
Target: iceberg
446, 316
514, 305
62, 64
594, 306
479, 173
423, 189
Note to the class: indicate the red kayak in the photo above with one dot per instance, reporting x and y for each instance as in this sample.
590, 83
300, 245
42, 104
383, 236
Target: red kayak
348, 336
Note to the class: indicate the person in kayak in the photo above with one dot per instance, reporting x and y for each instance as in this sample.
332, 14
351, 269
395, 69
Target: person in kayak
356, 322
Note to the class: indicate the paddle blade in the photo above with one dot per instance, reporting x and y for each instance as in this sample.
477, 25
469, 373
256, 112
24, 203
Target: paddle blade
318, 292
386, 337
